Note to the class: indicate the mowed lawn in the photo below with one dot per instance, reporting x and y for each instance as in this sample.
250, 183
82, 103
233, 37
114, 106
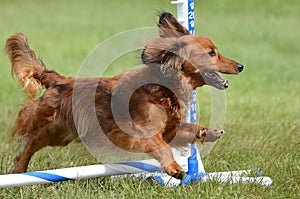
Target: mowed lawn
262, 103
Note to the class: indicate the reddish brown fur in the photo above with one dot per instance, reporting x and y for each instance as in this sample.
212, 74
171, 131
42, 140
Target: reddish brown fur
158, 113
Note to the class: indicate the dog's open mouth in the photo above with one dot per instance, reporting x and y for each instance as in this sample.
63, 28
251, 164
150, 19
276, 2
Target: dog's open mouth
212, 78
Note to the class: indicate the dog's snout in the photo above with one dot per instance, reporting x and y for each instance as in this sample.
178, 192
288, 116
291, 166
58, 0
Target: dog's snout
240, 67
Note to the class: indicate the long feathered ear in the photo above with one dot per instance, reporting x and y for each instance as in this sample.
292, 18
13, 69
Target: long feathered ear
169, 26
169, 53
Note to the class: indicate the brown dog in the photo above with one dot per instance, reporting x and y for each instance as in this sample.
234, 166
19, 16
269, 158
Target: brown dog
143, 110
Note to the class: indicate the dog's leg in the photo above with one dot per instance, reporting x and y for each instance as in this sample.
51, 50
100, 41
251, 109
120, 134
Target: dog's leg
155, 146
33, 144
161, 151
190, 133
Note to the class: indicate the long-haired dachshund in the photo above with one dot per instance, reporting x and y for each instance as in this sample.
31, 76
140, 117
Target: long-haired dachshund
155, 96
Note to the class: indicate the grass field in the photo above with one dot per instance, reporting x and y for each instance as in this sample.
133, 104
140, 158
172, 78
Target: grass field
262, 103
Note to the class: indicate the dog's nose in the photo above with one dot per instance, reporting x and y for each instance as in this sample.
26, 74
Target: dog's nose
240, 67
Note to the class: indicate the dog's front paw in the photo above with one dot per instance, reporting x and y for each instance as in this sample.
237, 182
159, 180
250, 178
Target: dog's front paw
201, 134
213, 135
175, 171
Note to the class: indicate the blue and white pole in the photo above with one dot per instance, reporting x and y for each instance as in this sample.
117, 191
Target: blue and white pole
144, 167
186, 16
83, 172
195, 164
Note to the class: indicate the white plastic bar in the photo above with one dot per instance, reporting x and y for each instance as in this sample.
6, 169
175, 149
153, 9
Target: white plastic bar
83, 172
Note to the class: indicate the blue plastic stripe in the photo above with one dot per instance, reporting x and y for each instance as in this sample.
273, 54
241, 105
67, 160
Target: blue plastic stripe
47, 176
191, 17
157, 179
193, 108
191, 28
192, 160
188, 179
142, 166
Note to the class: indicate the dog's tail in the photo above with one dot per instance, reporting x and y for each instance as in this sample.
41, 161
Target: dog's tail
29, 70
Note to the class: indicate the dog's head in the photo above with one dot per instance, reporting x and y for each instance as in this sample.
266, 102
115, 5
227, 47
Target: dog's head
196, 57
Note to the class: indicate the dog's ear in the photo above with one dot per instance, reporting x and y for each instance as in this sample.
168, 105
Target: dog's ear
169, 53
169, 26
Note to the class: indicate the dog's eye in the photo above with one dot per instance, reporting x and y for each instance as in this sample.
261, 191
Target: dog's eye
212, 53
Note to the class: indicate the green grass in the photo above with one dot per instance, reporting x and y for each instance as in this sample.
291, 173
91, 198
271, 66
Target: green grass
262, 103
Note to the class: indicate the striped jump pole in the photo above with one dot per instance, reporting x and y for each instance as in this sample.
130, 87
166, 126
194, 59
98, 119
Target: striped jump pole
140, 168
83, 172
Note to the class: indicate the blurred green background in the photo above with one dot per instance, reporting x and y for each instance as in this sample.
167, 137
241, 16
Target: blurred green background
262, 103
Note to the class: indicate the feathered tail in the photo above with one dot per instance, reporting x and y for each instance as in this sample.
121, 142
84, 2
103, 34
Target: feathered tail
29, 70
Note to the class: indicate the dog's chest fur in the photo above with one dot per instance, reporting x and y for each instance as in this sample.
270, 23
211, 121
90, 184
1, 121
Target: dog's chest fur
172, 92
